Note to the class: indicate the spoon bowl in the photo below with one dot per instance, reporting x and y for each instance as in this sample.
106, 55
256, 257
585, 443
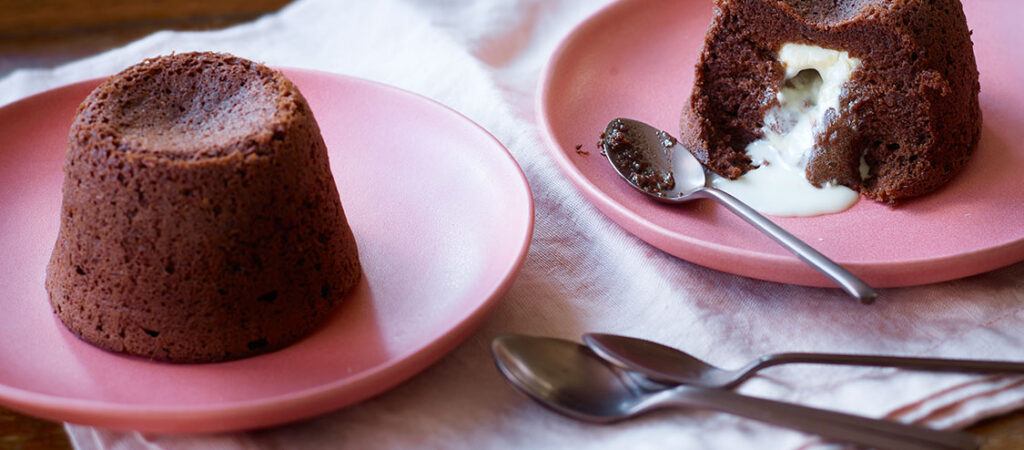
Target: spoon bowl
661, 362
647, 159
572, 380
580, 385
653, 162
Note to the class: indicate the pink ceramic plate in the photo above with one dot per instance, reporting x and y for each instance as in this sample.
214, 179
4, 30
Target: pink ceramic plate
442, 214
635, 59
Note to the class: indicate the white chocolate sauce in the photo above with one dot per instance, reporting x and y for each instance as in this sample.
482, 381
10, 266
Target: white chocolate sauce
814, 81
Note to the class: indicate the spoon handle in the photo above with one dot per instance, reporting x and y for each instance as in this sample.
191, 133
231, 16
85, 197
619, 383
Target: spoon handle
929, 364
848, 281
849, 428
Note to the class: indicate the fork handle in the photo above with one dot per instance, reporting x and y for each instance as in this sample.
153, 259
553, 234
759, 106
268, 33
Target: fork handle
876, 433
929, 364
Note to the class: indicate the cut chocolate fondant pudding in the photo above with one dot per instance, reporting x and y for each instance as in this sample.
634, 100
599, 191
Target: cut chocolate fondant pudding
804, 104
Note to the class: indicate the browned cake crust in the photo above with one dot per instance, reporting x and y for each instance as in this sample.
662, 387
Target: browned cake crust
911, 108
200, 221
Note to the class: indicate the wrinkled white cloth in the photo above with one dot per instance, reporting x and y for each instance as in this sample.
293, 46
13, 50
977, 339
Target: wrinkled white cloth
584, 273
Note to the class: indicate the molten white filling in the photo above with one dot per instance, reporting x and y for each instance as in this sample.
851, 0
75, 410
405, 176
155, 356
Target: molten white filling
814, 81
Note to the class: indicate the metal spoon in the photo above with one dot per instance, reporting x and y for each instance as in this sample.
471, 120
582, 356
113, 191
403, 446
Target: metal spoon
647, 159
572, 380
666, 364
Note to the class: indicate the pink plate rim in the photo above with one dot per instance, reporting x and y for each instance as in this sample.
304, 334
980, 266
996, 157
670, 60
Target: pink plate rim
750, 263
301, 404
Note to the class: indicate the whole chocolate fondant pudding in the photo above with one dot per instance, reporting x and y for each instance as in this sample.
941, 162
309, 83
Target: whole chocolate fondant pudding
200, 220
880, 96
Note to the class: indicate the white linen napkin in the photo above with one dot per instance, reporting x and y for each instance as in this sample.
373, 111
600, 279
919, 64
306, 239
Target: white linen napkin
584, 273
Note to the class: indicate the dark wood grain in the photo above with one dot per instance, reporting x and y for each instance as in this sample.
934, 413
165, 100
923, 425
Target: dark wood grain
46, 33
34, 18
20, 432
1002, 433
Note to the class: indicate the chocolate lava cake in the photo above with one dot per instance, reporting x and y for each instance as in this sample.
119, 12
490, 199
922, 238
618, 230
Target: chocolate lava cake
907, 118
200, 221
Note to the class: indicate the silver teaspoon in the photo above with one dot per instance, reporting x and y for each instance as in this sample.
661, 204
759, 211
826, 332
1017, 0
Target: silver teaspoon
572, 380
647, 158
666, 364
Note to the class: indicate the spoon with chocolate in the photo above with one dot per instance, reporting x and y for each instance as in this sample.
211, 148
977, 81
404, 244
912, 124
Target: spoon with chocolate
649, 160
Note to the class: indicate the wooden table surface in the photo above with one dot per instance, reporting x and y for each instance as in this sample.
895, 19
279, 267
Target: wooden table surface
45, 33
